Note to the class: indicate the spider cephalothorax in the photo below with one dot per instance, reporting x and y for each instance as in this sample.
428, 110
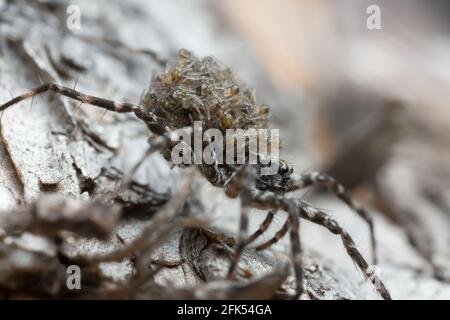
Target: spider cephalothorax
202, 89
280, 182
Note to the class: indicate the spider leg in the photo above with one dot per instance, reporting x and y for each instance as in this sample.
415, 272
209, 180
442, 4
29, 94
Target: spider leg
333, 186
240, 244
262, 228
76, 95
321, 218
233, 188
278, 235
152, 121
269, 200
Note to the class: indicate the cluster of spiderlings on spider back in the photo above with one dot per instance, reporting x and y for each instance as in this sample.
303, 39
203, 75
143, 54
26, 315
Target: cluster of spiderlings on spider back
203, 89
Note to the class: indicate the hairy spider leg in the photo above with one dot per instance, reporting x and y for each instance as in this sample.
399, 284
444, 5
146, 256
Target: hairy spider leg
151, 120
234, 187
333, 186
321, 218
262, 228
273, 201
278, 236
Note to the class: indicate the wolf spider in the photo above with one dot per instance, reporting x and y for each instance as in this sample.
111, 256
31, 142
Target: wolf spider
202, 89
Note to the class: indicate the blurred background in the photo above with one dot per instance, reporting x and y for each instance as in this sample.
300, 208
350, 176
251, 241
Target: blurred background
376, 103
360, 94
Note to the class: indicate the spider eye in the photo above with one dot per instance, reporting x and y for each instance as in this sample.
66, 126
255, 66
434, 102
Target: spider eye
285, 169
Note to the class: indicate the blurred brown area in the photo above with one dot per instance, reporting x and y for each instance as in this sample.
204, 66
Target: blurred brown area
381, 119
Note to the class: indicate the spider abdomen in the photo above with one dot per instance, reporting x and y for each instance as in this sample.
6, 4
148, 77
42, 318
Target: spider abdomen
203, 89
